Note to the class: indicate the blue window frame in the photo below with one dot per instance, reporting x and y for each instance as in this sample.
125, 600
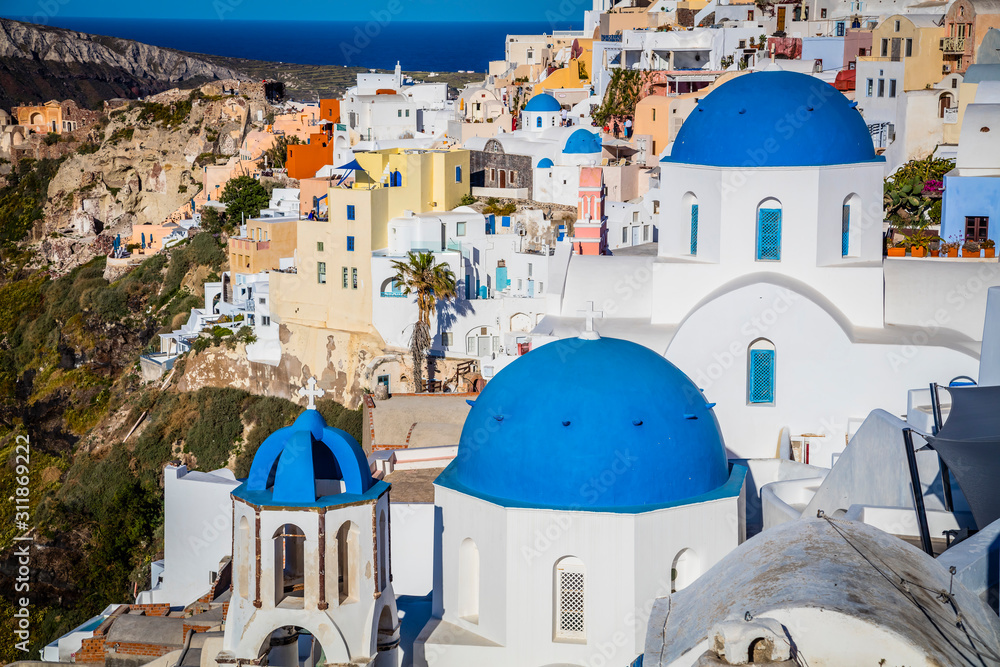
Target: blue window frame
769, 234
350, 243
840, 28
350, 211
694, 229
505, 221
760, 377
458, 174
538, 122
845, 232
491, 224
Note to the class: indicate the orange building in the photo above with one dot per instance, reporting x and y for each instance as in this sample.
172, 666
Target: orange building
329, 110
304, 160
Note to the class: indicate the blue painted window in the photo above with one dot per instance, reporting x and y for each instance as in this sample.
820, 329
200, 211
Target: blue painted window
350, 211
491, 224
350, 243
458, 174
694, 229
760, 377
505, 221
769, 234
538, 122
845, 232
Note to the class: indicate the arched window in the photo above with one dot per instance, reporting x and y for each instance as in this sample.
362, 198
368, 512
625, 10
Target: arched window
684, 570
769, 230
347, 563
468, 581
570, 600
850, 239
383, 553
689, 208
243, 558
289, 564
538, 121
761, 370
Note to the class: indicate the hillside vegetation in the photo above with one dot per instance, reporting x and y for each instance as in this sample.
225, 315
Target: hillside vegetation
69, 349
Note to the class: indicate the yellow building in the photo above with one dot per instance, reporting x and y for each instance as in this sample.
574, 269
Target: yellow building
332, 288
915, 41
266, 242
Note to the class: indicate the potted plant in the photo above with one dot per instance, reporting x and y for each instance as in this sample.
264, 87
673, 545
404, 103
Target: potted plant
989, 248
934, 245
917, 242
970, 248
949, 249
898, 249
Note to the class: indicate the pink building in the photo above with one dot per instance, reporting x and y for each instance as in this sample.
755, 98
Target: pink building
590, 233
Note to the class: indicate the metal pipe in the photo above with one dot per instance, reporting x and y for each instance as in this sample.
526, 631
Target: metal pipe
918, 498
945, 473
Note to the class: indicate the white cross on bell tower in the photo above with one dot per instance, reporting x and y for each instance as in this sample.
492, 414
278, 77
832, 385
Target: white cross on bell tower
312, 392
590, 314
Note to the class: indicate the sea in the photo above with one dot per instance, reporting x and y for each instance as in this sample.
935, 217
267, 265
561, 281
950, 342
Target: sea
418, 46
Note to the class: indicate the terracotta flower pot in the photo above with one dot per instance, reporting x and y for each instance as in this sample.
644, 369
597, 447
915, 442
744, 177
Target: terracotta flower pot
989, 252
971, 254
918, 252
935, 253
953, 252
897, 252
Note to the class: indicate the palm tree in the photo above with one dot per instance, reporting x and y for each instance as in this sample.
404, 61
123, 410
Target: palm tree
418, 274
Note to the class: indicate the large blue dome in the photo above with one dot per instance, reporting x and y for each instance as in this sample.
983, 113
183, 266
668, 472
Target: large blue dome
773, 119
582, 142
590, 424
542, 102
308, 463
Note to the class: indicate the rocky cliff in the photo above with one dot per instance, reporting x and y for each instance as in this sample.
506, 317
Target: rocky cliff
39, 63
144, 164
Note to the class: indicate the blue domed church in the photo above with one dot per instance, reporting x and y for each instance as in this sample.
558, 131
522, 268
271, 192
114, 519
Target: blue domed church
591, 477
311, 552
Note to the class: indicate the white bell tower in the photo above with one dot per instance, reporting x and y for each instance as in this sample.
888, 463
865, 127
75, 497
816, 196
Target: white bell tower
311, 552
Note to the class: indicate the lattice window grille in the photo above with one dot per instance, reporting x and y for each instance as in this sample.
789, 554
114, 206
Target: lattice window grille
694, 229
769, 234
761, 378
845, 232
572, 621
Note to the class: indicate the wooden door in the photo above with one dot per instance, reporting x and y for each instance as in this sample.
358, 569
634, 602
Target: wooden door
503, 178
781, 19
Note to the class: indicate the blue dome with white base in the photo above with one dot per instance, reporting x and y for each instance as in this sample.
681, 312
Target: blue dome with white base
308, 463
600, 424
542, 102
582, 142
544, 163
773, 119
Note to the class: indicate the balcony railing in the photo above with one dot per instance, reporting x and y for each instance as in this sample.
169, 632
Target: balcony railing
953, 44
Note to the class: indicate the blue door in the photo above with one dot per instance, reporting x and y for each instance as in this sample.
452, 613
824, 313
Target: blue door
769, 234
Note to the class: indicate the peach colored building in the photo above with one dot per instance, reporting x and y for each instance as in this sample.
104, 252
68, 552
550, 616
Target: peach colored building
41, 118
267, 242
299, 123
965, 26
590, 233
153, 236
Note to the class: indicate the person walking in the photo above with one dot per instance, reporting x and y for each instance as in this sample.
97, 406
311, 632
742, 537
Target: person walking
628, 128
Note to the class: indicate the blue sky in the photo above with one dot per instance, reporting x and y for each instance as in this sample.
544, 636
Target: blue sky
45, 11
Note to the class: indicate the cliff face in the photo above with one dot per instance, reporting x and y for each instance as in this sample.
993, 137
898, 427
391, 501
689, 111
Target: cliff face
144, 166
39, 63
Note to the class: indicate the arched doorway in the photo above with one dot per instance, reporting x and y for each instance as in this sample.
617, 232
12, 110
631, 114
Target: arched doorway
292, 647
289, 566
944, 103
36, 119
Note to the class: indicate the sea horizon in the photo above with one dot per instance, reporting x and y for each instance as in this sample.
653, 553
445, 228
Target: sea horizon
444, 46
